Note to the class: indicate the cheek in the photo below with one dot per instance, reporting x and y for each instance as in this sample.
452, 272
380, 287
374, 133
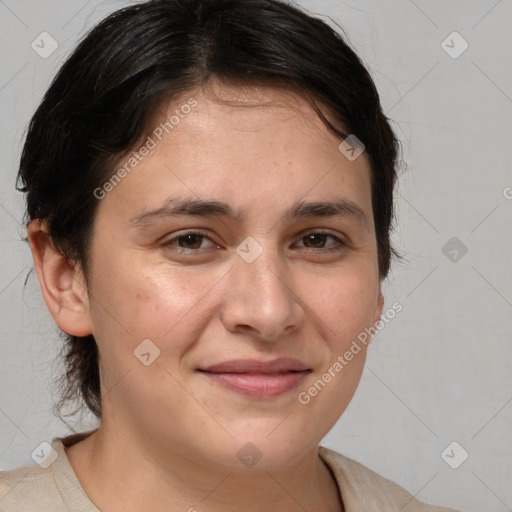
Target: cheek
345, 306
133, 302
345, 303
136, 303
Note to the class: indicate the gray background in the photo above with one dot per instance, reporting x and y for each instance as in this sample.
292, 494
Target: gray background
440, 371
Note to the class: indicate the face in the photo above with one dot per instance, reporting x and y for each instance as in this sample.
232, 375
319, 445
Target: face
241, 247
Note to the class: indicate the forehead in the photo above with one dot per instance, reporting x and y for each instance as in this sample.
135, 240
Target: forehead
238, 144
256, 102
248, 108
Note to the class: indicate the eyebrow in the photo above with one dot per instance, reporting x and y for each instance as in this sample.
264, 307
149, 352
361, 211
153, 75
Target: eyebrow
174, 207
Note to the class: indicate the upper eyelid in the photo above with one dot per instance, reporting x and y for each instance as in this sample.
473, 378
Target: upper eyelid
341, 239
167, 240
320, 232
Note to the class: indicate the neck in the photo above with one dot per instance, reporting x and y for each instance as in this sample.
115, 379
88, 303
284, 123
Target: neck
129, 473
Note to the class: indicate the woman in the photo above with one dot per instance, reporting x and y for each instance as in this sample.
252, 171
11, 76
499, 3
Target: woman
209, 204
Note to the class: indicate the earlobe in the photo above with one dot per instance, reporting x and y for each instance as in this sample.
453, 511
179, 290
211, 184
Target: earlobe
62, 283
380, 307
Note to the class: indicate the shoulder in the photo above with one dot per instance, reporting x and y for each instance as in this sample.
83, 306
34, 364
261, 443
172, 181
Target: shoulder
31, 487
49, 486
363, 489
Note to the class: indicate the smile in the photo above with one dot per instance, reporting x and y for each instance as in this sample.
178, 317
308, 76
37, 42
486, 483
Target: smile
258, 379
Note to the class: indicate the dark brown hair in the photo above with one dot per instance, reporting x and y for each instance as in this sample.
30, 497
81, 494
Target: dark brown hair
100, 103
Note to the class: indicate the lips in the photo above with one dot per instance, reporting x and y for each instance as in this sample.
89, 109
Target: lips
254, 366
258, 379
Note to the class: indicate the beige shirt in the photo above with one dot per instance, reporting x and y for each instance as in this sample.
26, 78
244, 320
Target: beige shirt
57, 489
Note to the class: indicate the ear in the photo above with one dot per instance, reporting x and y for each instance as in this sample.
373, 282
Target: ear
379, 308
62, 283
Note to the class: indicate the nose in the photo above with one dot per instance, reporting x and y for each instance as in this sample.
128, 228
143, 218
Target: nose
261, 300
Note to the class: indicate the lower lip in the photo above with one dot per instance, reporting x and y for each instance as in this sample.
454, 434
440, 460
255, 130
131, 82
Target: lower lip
259, 385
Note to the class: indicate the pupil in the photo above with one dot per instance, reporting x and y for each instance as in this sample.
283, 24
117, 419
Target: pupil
316, 239
190, 240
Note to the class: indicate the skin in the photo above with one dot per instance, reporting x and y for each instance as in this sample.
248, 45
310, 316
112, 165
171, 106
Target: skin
169, 436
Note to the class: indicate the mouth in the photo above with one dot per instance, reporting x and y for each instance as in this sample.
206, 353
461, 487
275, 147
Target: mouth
258, 379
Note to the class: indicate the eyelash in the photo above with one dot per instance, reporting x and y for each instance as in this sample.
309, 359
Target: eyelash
171, 242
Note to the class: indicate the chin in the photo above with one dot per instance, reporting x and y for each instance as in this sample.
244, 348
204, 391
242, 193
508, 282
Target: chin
262, 444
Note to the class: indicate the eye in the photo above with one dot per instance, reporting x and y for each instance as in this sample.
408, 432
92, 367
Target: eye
192, 241
317, 241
